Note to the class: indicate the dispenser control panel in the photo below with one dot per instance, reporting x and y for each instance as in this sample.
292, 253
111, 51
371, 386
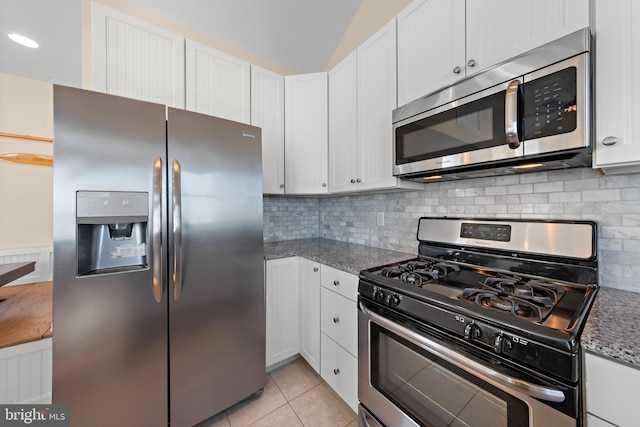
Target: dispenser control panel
106, 204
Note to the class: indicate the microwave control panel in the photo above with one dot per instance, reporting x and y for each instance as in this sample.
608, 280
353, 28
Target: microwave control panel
550, 106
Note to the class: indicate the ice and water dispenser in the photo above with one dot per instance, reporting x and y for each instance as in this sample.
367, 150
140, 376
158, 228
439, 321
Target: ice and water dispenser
112, 231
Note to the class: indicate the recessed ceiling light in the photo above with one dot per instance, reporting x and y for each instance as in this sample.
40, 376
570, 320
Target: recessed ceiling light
24, 41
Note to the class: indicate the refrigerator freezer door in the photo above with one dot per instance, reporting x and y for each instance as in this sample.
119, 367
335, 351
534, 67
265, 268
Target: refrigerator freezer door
217, 326
109, 351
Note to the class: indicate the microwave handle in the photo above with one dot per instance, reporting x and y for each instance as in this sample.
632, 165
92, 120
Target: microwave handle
511, 114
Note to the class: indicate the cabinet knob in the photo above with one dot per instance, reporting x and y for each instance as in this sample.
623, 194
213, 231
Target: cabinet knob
471, 63
336, 320
336, 282
456, 70
610, 140
324, 184
358, 180
336, 371
353, 181
281, 185
315, 269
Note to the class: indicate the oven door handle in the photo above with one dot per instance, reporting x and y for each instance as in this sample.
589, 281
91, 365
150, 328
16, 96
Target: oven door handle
533, 390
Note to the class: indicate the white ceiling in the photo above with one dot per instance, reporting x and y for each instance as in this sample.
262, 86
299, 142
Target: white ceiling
299, 35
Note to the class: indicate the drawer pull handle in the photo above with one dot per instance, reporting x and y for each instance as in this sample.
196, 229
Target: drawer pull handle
336, 371
336, 282
336, 320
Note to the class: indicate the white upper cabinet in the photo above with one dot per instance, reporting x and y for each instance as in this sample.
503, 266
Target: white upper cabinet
441, 41
362, 97
217, 84
343, 126
377, 98
267, 112
306, 133
135, 59
431, 50
501, 29
617, 135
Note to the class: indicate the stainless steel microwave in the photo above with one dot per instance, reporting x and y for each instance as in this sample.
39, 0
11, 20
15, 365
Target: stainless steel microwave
530, 113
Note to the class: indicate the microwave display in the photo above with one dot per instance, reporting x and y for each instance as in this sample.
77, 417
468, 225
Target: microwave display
550, 105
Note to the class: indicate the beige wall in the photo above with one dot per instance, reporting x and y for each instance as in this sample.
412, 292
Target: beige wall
371, 16
26, 191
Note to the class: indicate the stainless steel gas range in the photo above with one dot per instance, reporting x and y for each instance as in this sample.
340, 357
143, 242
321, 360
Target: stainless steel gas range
481, 329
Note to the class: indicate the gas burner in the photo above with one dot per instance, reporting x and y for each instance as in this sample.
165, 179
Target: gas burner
412, 278
545, 293
419, 271
392, 271
533, 309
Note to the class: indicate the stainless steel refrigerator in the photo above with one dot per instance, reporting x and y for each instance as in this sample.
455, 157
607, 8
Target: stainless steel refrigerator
158, 285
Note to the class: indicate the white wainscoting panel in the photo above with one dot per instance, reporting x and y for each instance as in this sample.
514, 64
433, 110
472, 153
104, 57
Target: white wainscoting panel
26, 373
43, 256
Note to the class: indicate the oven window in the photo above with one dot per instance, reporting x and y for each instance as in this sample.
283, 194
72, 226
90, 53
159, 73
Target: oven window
436, 393
473, 126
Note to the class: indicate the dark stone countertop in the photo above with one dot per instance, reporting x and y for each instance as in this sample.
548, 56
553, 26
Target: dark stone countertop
347, 257
611, 330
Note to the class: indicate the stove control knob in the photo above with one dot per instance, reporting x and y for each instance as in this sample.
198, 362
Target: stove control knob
502, 344
378, 295
393, 300
472, 332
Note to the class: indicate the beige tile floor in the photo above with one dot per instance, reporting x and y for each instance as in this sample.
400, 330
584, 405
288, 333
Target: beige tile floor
295, 396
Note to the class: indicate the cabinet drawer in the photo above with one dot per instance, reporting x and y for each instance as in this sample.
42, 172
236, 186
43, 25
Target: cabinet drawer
340, 370
339, 319
346, 284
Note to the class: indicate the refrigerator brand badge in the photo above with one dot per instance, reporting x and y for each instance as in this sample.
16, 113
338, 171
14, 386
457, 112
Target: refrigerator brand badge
34, 415
248, 134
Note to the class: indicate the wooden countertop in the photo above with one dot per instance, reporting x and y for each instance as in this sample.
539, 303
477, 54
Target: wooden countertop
25, 313
13, 271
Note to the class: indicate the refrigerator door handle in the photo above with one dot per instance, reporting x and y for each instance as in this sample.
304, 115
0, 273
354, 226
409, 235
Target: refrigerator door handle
156, 227
177, 231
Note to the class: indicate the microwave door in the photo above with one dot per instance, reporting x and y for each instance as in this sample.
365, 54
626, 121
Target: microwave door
556, 102
466, 132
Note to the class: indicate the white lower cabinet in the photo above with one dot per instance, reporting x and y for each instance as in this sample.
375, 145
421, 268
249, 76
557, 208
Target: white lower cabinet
282, 309
339, 369
310, 312
26, 372
339, 338
610, 392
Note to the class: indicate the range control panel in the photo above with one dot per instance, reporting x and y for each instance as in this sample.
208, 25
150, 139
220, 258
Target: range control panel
496, 232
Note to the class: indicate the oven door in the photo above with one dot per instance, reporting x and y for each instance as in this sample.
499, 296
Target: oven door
408, 378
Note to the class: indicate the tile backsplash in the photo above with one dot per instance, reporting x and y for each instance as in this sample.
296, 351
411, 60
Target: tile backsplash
389, 220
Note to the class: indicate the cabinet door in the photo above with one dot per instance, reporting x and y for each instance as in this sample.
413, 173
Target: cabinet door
611, 390
306, 133
343, 126
282, 309
267, 112
310, 312
376, 102
431, 47
501, 29
617, 86
134, 59
217, 84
